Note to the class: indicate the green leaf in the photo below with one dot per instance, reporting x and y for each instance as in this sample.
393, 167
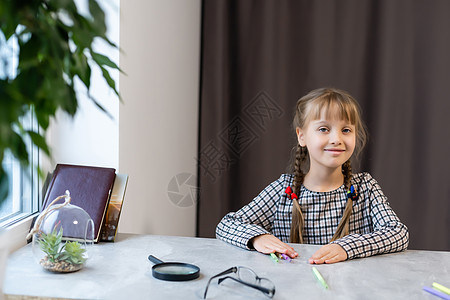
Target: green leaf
9, 21
18, 148
61, 256
82, 33
109, 80
29, 53
81, 68
98, 16
39, 141
71, 104
43, 118
103, 60
4, 185
29, 81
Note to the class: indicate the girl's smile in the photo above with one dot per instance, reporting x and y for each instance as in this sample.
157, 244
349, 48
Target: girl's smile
333, 150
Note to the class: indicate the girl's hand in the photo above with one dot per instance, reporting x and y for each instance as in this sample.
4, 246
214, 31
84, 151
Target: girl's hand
328, 254
268, 243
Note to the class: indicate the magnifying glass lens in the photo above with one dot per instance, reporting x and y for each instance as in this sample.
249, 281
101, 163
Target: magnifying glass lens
175, 270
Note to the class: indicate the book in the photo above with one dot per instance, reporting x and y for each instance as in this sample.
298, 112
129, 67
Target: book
109, 229
90, 188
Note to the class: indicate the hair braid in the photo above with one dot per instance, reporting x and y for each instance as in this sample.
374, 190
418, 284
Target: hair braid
343, 227
296, 235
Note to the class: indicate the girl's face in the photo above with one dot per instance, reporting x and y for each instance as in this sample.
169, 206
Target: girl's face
330, 142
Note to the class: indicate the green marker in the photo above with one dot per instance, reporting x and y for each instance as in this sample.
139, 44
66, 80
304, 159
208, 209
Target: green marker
319, 277
274, 257
441, 288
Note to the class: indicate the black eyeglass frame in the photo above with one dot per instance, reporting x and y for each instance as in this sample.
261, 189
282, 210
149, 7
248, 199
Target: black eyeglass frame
268, 292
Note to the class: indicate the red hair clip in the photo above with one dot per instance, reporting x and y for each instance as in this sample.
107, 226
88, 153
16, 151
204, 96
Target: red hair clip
288, 190
290, 193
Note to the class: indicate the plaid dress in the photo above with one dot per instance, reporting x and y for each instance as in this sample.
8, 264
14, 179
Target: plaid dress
374, 227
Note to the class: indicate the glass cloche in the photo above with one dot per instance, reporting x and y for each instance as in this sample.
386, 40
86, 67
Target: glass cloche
62, 236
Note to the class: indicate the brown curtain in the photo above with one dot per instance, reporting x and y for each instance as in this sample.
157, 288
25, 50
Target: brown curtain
260, 56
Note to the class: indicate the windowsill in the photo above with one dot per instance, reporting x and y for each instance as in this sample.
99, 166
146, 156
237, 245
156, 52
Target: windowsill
18, 233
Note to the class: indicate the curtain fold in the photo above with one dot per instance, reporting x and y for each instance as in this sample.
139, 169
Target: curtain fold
259, 57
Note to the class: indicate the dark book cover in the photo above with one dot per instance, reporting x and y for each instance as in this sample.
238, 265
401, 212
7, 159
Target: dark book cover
89, 187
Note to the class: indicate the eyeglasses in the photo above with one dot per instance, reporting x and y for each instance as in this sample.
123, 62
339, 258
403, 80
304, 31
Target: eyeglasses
247, 277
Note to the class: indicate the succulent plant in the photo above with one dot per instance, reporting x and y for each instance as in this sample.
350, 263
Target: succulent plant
50, 244
70, 251
74, 253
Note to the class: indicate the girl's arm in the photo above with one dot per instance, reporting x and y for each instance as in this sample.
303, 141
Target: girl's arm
389, 234
254, 219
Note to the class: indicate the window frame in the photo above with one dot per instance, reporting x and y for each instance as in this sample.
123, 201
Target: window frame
24, 182
26, 193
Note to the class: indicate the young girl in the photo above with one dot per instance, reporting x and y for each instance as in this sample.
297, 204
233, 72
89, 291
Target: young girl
323, 202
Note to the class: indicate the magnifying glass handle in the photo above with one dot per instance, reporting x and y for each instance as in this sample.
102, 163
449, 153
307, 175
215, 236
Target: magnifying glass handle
154, 260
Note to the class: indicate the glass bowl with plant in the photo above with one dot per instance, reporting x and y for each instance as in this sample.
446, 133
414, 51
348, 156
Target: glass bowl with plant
62, 236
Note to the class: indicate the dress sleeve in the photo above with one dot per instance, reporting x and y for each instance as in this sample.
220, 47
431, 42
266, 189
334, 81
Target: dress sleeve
255, 218
389, 234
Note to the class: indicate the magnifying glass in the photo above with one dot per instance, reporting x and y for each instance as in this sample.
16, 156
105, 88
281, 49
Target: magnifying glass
173, 271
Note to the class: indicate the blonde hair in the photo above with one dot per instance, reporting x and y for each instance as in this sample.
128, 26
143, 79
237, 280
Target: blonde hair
334, 103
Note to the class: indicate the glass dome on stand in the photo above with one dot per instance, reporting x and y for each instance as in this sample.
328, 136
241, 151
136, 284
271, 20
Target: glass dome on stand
62, 236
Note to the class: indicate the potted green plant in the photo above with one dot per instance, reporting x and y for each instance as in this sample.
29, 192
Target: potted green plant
54, 47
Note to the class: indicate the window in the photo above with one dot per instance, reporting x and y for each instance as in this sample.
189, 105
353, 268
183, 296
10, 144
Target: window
23, 195
23, 181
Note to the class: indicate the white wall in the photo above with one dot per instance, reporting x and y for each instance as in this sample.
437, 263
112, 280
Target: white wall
153, 136
91, 137
160, 40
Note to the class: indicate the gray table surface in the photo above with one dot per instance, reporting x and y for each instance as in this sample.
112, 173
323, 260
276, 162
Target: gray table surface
121, 270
